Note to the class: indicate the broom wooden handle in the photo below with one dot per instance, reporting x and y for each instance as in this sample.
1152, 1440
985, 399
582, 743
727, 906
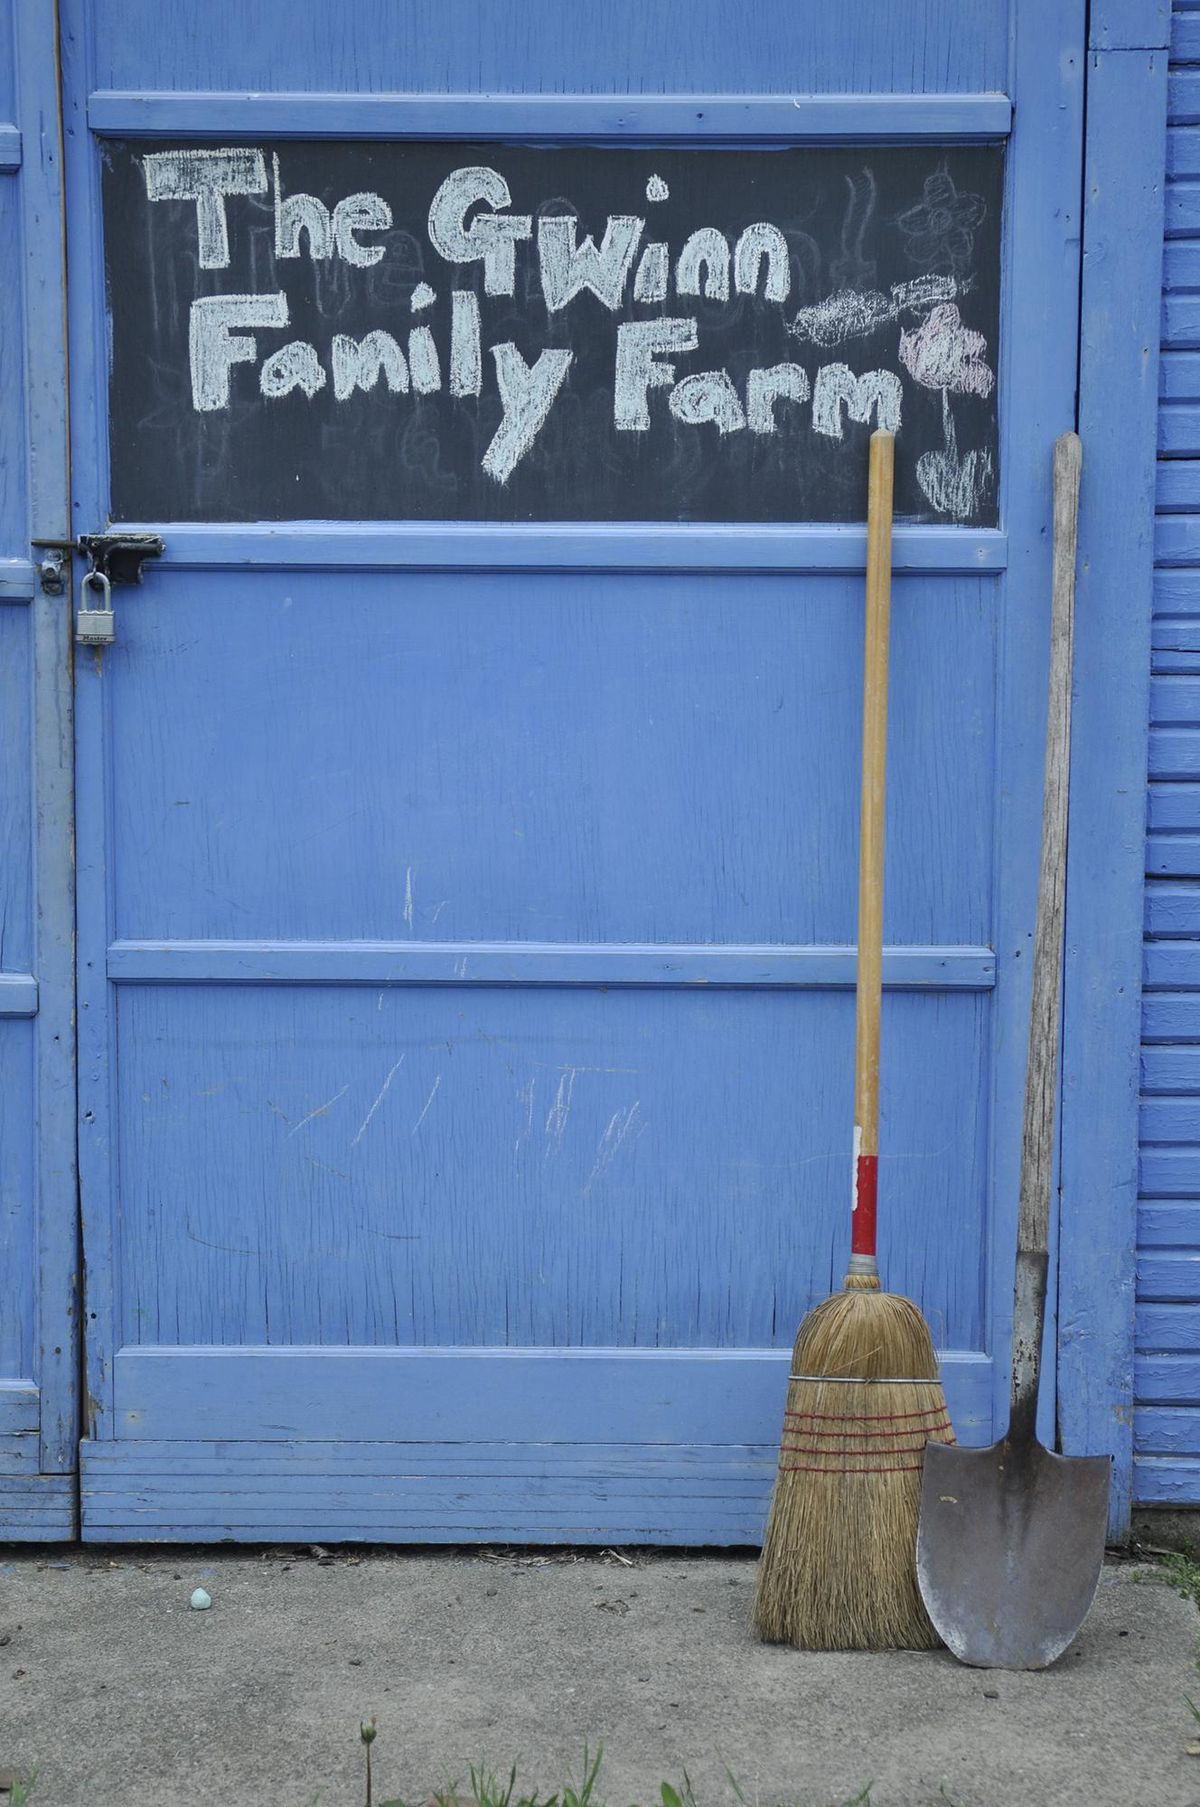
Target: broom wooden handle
869, 983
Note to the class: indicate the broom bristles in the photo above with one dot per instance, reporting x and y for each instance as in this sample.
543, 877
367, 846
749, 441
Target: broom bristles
838, 1569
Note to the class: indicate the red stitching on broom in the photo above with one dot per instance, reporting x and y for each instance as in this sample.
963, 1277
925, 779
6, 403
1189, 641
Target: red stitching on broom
801, 1449
805, 1468
868, 1450
909, 1430
876, 1440
879, 1418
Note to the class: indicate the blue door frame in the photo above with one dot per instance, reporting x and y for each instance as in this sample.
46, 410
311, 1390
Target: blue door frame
39, 1327
184, 1435
1118, 383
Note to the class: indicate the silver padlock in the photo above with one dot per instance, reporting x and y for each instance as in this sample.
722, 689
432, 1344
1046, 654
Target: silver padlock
95, 626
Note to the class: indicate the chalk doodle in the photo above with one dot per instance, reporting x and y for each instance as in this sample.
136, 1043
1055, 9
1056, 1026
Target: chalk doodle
940, 230
954, 485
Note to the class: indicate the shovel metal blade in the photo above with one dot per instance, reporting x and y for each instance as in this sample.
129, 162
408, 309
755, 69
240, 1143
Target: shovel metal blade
1009, 1549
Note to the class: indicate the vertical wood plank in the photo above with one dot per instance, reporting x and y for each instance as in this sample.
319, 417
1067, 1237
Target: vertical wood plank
1118, 382
44, 271
1037, 404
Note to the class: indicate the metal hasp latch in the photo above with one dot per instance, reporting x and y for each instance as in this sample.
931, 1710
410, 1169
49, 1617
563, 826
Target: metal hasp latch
113, 558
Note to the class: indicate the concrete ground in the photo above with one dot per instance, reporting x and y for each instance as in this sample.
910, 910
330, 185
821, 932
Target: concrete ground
118, 1693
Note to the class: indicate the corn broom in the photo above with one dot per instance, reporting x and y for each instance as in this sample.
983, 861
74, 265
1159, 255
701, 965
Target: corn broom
838, 1564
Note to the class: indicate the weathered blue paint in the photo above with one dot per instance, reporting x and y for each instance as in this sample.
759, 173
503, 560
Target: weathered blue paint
414, 1492
528, 963
554, 546
34, 1507
689, 47
18, 994
38, 1241
1037, 403
1166, 1374
508, 1046
656, 119
1129, 25
1122, 258
514, 1396
16, 580
508, 1038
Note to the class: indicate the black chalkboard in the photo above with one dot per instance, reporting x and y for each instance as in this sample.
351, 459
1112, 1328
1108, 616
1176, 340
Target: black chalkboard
243, 282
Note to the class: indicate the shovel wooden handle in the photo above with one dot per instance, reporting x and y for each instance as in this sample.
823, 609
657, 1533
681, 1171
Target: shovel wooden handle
1041, 1077
869, 984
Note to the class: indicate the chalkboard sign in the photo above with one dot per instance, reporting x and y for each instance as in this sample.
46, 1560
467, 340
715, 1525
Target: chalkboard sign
492, 332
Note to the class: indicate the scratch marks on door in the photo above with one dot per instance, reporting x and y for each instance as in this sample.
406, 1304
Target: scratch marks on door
380, 1096
560, 1110
320, 1111
432, 1095
619, 1126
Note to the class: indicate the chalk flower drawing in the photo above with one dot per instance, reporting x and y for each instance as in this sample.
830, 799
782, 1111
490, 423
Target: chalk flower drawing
940, 230
942, 353
952, 485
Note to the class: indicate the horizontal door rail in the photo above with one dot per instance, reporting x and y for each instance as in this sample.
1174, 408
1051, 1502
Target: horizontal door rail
537, 963
18, 994
679, 118
459, 1395
567, 546
16, 580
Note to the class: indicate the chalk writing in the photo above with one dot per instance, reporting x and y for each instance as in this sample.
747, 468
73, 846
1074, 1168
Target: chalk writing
447, 286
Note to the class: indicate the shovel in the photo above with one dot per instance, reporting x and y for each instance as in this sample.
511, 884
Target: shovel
1011, 1539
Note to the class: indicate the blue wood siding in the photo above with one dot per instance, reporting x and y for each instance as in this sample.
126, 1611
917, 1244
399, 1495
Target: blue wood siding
38, 1227
1167, 1363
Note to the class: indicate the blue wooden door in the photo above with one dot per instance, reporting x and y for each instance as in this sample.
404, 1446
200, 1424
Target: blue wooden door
466, 910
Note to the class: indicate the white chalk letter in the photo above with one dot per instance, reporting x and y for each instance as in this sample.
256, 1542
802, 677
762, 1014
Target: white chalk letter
490, 238
293, 366
875, 389
705, 249
650, 283
424, 362
527, 394
759, 241
360, 213
213, 349
763, 387
567, 267
297, 214
636, 372
708, 397
359, 364
466, 359
205, 177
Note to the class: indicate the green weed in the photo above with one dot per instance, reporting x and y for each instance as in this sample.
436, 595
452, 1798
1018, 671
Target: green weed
1182, 1571
487, 1789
